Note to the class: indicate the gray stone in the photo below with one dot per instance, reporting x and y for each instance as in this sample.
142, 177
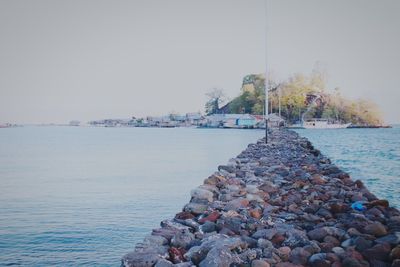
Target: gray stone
296, 238
195, 208
299, 256
393, 239
362, 244
208, 227
144, 256
264, 243
164, 263
219, 257
227, 168
198, 253
182, 239
200, 193
320, 233
265, 233
338, 250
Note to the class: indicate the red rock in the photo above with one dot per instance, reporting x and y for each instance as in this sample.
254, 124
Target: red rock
339, 208
351, 252
332, 240
278, 239
380, 202
326, 247
212, 217
377, 229
176, 254
318, 179
256, 213
184, 215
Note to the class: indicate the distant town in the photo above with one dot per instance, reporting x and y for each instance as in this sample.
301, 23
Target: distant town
299, 102
238, 121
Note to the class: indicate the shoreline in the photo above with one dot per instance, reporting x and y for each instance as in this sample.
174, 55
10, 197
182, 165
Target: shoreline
278, 204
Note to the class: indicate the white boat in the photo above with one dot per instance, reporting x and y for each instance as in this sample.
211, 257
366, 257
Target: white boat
323, 124
320, 123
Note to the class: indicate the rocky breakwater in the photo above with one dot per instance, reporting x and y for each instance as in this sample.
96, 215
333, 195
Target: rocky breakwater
278, 204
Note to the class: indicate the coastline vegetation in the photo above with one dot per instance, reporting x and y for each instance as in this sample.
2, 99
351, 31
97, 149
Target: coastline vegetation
296, 95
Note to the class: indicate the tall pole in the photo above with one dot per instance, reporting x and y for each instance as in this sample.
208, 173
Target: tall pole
266, 72
280, 95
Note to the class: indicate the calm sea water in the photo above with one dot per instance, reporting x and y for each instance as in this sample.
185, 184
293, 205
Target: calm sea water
83, 196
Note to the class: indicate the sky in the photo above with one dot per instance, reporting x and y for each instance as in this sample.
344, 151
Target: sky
94, 59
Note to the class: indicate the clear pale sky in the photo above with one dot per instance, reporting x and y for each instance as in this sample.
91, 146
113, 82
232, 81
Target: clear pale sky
93, 59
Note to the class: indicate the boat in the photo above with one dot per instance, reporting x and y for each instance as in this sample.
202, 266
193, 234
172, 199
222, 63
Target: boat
323, 124
317, 123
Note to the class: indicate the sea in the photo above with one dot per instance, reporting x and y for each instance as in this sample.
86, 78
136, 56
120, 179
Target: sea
84, 196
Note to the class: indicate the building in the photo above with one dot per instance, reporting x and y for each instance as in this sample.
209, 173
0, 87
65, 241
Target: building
240, 120
194, 118
231, 121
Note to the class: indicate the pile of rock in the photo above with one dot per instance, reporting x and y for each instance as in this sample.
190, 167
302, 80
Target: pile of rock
278, 204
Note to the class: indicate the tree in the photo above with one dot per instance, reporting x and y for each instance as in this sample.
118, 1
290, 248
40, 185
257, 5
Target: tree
215, 98
296, 96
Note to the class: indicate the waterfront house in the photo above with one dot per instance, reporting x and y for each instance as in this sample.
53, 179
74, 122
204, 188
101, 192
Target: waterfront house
231, 120
179, 120
162, 121
215, 120
194, 118
239, 121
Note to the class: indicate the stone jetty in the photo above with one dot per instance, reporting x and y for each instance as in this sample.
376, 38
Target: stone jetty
280, 204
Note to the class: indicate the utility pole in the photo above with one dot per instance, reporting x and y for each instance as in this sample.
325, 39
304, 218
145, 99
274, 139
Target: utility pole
266, 72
